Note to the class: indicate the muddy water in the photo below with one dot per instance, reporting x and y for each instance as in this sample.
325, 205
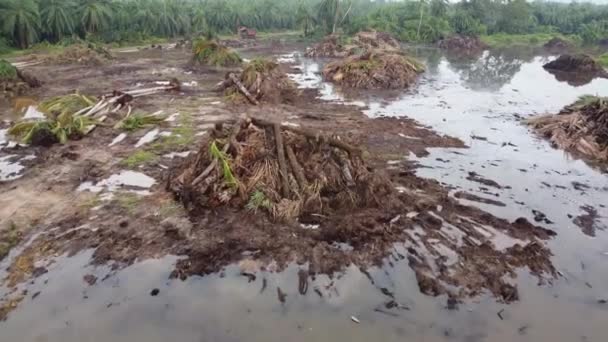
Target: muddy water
475, 98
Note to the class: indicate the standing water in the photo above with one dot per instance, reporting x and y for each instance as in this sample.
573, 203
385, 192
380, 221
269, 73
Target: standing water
479, 101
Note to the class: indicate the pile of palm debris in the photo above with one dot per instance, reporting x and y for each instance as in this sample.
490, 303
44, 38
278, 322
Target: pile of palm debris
213, 53
374, 70
86, 54
72, 116
577, 64
285, 172
371, 40
557, 44
14, 82
330, 46
581, 127
278, 193
260, 80
462, 43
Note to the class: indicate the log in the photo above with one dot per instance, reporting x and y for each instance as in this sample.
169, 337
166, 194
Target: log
29, 79
242, 89
297, 168
282, 163
313, 135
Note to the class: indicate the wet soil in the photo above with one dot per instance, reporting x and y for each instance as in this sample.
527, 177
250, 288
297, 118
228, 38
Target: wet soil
447, 244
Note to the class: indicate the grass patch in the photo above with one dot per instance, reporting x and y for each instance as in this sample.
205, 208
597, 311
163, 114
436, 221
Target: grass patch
181, 136
139, 158
603, 60
128, 201
7, 71
9, 239
171, 208
535, 39
137, 121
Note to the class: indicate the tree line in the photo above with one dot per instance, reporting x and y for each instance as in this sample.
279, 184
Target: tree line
27, 22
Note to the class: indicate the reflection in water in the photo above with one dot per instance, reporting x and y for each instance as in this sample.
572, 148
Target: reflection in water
575, 79
492, 70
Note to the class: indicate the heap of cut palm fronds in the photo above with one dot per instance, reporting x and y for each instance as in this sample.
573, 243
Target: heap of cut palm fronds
210, 52
581, 127
374, 70
260, 80
60, 123
283, 171
75, 115
14, 82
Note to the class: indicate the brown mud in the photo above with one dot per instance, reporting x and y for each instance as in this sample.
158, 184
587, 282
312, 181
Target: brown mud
453, 249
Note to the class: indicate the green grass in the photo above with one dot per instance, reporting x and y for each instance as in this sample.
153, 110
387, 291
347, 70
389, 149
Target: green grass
7, 70
603, 60
137, 121
127, 201
9, 238
139, 158
257, 201
181, 136
535, 39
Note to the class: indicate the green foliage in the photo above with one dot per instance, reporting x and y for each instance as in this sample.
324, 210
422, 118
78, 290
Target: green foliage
9, 238
26, 22
603, 60
7, 70
212, 53
181, 136
257, 201
222, 159
137, 121
139, 158
60, 121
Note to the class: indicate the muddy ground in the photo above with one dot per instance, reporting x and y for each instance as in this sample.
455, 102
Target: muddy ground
106, 194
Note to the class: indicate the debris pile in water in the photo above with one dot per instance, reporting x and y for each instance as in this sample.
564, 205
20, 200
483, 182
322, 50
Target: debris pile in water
462, 43
576, 64
374, 70
331, 46
210, 52
260, 80
557, 44
581, 127
14, 82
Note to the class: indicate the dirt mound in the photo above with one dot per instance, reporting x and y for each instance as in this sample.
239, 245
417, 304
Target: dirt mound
330, 46
260, 80
581, 127
213, 53
374, 70
89, 54
14, 82
376, 40
557, 44
462, 43
576, 63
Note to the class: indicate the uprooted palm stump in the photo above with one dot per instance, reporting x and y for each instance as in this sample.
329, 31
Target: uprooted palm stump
14, 82
288, 173
581, 63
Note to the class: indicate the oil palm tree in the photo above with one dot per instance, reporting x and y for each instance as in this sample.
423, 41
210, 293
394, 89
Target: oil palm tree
20, 21
96, 15
57, 17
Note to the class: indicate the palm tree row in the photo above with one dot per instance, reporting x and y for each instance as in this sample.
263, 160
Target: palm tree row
25, 22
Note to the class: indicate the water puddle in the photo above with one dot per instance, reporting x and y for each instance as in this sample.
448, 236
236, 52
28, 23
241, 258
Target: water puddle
132, 181
11, 166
